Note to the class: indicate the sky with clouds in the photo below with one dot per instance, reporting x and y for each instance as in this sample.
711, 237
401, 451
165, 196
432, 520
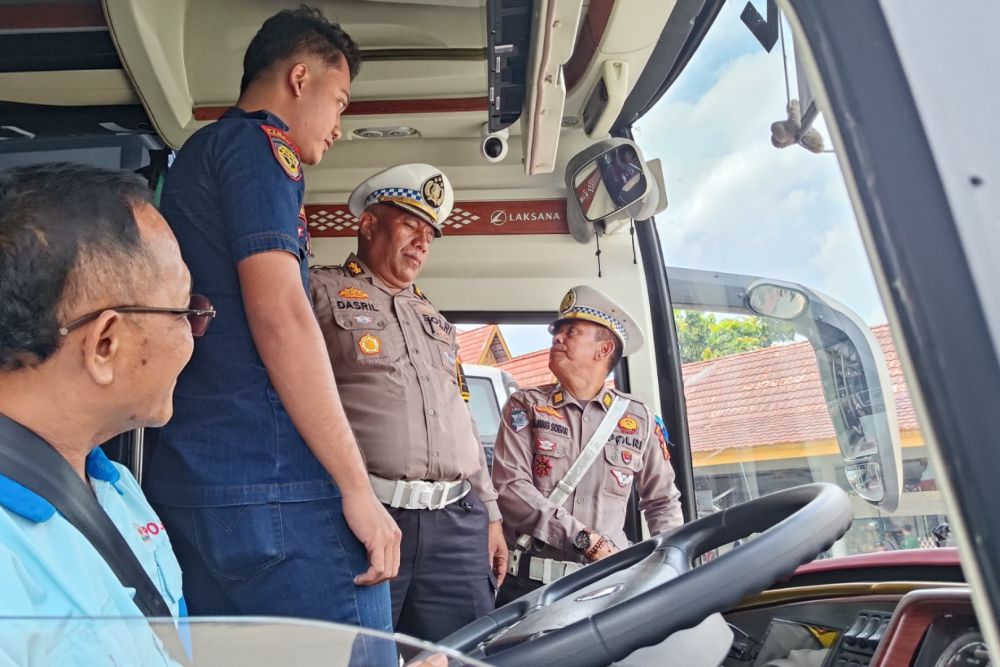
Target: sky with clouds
736, 203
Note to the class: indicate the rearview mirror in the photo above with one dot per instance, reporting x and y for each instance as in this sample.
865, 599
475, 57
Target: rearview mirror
610, 182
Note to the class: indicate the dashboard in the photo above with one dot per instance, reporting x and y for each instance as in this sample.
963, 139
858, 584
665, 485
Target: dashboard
872, 615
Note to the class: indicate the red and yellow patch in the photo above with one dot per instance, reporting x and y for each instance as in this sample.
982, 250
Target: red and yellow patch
352, 293
663, 443
626, 457
543, 466
550, 411
285, 152
628, 425
369, 345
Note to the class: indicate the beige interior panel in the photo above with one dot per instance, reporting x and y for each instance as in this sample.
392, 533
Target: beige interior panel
624, 40
76, 88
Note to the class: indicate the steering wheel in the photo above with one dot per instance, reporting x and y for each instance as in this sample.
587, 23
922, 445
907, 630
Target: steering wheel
641, 595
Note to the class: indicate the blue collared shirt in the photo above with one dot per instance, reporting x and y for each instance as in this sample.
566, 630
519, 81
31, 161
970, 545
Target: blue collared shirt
234, 190
48, 569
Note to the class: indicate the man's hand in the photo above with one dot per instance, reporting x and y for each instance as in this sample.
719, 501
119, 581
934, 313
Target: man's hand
601, 547
498, 551
372, 525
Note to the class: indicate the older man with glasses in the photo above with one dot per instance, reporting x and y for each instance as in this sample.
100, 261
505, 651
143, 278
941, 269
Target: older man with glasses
96, 321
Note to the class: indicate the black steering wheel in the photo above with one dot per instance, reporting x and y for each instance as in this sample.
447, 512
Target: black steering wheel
640, 596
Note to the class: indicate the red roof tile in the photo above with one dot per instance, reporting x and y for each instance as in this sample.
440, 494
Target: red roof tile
472, 343
771, 396
530, 370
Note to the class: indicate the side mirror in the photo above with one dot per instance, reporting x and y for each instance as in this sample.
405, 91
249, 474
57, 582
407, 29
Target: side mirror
606, 181
853, 372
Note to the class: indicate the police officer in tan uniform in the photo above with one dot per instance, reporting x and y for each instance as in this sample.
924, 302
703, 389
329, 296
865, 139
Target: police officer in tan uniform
395, 359
545, 429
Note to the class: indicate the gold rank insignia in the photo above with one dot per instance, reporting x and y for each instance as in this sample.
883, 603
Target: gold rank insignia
354, 268
369, 345
285, 152
550, 411
352, 293
628, 425
607, 399
419, 292
557, 397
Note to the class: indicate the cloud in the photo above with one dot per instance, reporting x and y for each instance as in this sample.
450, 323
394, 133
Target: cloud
737, 204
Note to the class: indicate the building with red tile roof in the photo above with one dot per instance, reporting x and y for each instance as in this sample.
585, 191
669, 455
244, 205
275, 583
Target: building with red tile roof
483, 345
530, 370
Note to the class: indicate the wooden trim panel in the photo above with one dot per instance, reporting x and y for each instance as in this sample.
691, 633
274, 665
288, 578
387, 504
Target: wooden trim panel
543, 216
911, 620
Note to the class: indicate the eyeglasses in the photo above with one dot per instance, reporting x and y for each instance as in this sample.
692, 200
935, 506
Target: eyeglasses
199, 313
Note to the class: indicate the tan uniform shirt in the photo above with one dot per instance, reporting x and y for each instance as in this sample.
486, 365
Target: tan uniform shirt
543, 431
395, 360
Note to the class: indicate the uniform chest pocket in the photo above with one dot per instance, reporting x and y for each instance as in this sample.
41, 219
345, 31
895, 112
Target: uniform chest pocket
550, 462
361, 331
621, 465
439, 335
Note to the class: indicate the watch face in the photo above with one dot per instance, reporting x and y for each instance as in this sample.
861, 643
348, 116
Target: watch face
582, 540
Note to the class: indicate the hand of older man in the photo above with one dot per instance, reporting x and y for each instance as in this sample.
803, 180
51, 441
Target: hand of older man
498, 551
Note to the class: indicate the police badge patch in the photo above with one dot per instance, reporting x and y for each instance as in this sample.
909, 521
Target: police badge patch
433, 191
284, 151
543, 466
518, 419
623, 477
369, 345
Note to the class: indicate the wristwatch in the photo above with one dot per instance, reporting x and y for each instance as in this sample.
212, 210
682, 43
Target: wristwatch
582, 541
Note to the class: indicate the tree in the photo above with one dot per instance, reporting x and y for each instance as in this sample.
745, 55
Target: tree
703, 337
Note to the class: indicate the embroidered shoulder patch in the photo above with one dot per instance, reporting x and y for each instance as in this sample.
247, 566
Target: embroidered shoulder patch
285, 152
518, 419
352, 293
662, 439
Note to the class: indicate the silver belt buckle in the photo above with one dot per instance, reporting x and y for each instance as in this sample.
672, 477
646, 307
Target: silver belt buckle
421, 493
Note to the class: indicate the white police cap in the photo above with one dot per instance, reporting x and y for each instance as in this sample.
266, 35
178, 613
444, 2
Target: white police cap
420, 189
586, 303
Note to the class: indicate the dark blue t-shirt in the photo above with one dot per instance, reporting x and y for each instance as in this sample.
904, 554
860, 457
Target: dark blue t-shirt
234, 190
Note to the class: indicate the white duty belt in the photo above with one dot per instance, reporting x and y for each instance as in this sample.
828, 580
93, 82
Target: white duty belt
564, 489
418, 494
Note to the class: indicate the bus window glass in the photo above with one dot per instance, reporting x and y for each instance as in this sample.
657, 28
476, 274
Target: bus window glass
758, 418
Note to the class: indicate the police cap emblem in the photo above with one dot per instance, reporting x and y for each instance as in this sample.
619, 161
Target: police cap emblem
568, 301
433, 191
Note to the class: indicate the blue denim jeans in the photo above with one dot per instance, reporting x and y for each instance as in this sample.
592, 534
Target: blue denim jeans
278, 559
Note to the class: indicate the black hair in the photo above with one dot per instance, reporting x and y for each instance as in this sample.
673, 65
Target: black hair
298, 32
68, 240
